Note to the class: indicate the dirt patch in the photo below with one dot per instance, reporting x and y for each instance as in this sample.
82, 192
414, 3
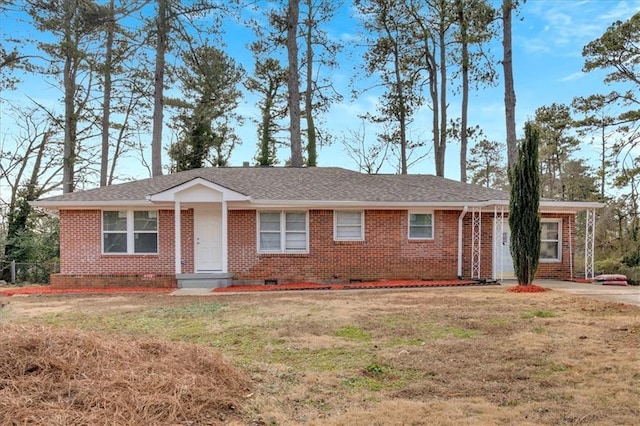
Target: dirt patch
35, 305
56, 376
47, 290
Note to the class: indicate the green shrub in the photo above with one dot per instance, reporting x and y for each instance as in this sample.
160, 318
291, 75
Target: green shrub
615, 265
632, 259
611, 265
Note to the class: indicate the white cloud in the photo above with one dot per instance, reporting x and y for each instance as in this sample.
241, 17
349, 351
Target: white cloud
573, 76
564, 27
622, 11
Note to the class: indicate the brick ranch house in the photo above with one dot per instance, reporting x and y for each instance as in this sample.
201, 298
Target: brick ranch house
216, 226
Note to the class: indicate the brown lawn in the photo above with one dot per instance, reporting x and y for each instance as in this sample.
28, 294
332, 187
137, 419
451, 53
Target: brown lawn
433, 356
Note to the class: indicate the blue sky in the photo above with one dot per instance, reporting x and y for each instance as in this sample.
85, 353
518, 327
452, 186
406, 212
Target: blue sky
548, 37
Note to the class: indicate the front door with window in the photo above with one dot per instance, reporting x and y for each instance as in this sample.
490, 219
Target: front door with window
502, 260
207, 238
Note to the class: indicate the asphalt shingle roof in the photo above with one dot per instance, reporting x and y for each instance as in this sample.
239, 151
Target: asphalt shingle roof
300, 184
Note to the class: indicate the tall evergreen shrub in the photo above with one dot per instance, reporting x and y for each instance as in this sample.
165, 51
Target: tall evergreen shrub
524, 217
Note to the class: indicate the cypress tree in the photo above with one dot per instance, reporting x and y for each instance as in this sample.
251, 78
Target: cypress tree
524, 217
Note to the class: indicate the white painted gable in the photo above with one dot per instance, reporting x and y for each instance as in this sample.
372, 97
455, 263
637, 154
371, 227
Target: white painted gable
196, 191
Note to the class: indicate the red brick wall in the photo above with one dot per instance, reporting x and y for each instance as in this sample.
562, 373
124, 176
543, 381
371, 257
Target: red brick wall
110, 281
562, 269
386, 251
187, 246
81, 251
81, 247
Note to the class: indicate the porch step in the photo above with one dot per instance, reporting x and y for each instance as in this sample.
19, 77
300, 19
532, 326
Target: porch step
214, 280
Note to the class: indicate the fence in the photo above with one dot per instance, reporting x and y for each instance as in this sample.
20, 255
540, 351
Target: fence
35, 273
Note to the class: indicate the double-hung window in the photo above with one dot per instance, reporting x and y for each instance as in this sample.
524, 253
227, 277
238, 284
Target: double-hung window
282, 232
550, 248
130, 232
348, 225
420, 226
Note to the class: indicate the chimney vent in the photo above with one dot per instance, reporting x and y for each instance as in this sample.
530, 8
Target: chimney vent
245, 164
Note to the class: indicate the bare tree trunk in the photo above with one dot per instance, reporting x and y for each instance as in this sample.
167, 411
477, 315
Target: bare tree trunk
509, 91
603, 162
265, 157
433, 92
465, 91
106, 102
119, 141
312, 152
399, 92
294, 83
33, 192
158, 95
440, 152
19, 210
70, 119
402, 113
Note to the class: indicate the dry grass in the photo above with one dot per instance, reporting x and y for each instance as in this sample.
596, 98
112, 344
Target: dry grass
439, 356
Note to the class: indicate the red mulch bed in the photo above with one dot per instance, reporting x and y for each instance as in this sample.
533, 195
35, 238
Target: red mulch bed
349, 286
44, 290
527, 289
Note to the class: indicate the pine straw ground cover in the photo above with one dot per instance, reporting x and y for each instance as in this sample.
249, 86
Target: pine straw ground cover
57, 376
464, 356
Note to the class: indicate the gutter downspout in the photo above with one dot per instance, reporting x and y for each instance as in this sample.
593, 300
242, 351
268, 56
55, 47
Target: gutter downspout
464, 212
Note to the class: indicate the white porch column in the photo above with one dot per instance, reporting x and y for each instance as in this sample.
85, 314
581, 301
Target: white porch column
476, 240
224, 238
589, 243
498, 243
177, 237
571, 253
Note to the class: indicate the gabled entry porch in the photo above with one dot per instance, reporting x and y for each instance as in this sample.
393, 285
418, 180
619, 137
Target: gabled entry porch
209, 233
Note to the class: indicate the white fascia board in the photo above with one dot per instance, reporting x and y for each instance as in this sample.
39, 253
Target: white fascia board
90, 205
378, 205
552, 206
170, 194
569, 206
545, 206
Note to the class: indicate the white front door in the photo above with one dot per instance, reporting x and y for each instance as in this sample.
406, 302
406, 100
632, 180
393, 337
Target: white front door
502, 260
207, 236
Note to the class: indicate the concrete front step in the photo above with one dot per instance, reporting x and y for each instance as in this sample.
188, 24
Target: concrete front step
214, 280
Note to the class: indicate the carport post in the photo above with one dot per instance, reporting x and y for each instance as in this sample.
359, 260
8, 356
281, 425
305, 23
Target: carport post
589, 243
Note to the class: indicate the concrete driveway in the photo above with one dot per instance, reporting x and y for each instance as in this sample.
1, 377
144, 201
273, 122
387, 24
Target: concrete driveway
608, 293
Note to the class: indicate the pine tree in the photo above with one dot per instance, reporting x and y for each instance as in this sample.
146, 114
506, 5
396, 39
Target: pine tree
524, 218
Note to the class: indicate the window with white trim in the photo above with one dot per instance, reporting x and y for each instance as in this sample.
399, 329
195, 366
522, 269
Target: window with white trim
420, 226
129, 232
550, 247
348, 225
282, 232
